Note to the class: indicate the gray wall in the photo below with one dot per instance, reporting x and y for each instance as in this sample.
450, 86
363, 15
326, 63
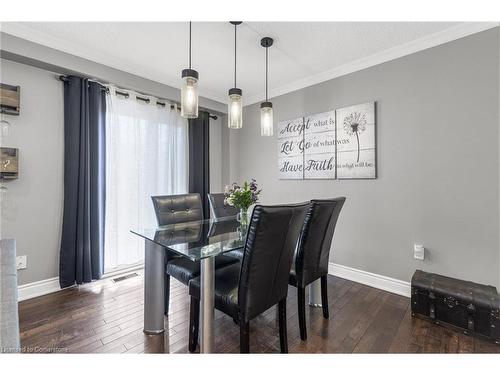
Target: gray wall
32, 213
438, 154
30, 53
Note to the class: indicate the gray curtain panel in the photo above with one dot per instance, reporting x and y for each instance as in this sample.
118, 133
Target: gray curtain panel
199, 161
82, 242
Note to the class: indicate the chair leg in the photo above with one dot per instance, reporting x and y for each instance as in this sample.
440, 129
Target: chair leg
167, 293
324, 296
301, 304
194, 323
244, 336
282, 324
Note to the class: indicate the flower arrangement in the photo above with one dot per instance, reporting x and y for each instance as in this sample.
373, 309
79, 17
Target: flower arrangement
242, 197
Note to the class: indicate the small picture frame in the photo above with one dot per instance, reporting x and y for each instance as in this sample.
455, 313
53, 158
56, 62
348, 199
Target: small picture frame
9, 161
10, 99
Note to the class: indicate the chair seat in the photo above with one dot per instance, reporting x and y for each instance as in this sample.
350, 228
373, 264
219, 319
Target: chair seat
225, 291
184, 269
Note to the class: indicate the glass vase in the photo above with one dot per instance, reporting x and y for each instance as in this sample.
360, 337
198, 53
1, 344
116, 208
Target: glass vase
242, 216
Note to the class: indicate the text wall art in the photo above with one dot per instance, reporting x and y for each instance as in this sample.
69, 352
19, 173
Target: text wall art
338, 144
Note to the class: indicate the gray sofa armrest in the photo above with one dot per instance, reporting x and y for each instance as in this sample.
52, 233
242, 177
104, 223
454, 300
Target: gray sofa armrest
9, 319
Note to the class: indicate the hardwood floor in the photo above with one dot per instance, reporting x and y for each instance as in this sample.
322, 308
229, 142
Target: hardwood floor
107, 317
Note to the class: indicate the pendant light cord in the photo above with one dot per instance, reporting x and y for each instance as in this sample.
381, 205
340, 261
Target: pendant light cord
189, 44
235, 55
267, 48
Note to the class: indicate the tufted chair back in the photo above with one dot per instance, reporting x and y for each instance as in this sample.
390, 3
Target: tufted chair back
173, 209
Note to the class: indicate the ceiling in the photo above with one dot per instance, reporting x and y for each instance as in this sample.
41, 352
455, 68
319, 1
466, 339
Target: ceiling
304, 52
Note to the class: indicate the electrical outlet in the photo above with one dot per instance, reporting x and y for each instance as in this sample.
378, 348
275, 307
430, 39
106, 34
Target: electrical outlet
21, 262
418, 252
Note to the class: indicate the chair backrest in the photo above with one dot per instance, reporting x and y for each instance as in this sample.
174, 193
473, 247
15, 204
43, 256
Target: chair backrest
218, 208
313, 249
271, 240
173, 209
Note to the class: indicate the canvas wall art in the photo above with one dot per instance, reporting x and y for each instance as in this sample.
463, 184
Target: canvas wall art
291, 149
329, 145
356, 142
319, 146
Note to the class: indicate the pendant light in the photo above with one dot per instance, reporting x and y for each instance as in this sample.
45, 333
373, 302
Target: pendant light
235, 105
189, 89
266, 108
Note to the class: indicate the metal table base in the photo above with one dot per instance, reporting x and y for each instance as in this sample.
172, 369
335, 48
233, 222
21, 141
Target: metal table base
315, 294
154, 288
207, 282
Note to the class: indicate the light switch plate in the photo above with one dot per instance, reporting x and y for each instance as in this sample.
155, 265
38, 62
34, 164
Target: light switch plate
419, 252
21, 262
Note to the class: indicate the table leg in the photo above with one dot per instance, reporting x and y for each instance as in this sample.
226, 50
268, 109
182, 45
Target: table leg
315, 294
154, 284
207, 305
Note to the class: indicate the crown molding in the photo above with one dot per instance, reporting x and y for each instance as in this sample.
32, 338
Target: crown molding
20, 30
429, 41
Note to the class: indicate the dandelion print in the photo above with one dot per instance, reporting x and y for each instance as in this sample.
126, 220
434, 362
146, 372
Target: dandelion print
354, 124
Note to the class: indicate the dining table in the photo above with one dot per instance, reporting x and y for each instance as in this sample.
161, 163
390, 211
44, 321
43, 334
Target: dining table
199, 241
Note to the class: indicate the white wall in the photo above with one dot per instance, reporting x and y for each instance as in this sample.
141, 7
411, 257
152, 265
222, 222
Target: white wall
32, 213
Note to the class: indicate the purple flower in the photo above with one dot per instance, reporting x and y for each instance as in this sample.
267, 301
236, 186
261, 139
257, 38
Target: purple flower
242, 196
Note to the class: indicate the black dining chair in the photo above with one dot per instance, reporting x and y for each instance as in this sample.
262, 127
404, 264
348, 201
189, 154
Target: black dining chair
176, 209
310, 261
243, 291
218, 208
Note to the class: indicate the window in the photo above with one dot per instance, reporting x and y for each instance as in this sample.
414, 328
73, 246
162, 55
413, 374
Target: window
146, 155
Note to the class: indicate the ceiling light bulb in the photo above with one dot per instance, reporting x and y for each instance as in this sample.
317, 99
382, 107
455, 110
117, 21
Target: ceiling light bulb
235, 109
189, 94
266, 119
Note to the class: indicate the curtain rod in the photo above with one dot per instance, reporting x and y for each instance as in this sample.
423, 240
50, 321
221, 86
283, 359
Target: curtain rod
146, 100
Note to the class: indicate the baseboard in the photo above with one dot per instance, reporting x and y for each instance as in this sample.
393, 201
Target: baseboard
38, 288
371, 279
42, 287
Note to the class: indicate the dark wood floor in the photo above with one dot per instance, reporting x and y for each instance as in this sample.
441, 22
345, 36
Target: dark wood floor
105, 317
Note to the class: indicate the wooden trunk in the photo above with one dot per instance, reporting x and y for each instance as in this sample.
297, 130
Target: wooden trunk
464, 305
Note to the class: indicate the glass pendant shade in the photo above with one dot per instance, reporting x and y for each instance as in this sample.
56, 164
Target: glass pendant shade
266, 119
189, 94
235, 109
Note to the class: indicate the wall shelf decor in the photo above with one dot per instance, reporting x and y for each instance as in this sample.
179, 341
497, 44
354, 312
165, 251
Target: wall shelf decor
338, 144
9, 99
9, 161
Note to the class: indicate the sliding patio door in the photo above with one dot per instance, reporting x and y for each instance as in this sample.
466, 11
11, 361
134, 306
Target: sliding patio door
146, 155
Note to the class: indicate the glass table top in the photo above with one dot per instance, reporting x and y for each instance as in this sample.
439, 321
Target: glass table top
198, 239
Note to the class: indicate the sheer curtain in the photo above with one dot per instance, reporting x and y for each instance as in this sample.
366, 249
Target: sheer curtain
146, 155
